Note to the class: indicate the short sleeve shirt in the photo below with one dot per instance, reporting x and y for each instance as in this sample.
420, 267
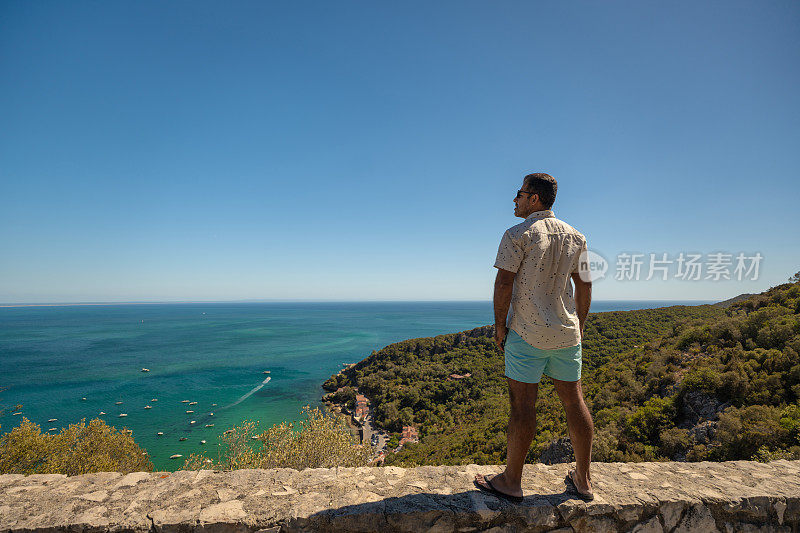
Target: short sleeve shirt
543, 251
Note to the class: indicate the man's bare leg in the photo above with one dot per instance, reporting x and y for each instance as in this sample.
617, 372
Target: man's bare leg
581, 429
521, 429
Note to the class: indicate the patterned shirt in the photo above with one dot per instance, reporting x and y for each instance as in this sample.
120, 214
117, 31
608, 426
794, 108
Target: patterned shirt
543, 251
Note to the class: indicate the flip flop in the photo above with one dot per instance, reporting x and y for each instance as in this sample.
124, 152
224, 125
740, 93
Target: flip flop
492, 490
573, 488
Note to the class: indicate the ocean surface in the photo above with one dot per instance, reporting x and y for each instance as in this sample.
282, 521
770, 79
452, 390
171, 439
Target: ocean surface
214, 354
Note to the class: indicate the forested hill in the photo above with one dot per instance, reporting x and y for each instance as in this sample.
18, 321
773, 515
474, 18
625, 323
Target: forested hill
680, 383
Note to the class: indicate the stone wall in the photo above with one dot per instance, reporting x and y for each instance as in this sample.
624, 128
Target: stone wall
636, 497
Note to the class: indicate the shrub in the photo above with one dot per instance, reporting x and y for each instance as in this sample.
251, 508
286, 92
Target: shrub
321, 441
79, 449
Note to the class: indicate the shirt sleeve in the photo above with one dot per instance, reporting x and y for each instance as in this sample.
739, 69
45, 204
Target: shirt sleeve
580, 263
509, 254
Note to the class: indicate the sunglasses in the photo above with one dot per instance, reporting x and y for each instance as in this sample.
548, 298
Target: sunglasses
521, 192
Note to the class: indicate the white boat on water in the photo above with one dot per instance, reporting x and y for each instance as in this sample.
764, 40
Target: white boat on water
193, 422
213, 405
123, 414
52, 429
148, 406
53, 420
83, 399
189, 412
210, 414
154, 400
182, 439
145, 370
16, 414
102, 412
184, 401
192, 403
176, 456
160, 433
209, 425
265, 372
202, 442
118, 403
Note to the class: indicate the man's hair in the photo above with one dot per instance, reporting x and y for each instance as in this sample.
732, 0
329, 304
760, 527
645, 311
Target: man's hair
543, 185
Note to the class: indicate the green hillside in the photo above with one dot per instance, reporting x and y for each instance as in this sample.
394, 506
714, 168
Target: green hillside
676, 383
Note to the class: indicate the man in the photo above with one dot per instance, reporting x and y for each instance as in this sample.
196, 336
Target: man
535, 262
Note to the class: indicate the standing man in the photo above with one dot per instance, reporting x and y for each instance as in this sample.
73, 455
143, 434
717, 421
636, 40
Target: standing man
535, 262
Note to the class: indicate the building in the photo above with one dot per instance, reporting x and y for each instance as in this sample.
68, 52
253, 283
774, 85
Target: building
361, 407
409, 434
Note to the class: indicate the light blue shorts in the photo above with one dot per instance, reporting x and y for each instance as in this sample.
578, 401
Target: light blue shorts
526, 363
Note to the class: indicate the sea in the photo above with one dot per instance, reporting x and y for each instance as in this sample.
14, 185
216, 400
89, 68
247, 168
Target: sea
238, 361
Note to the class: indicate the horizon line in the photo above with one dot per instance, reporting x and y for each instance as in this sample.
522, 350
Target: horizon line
176, 302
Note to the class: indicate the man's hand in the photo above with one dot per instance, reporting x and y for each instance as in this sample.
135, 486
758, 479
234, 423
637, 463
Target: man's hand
500, 332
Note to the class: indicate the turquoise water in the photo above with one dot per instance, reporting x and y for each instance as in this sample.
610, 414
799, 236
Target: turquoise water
52, 357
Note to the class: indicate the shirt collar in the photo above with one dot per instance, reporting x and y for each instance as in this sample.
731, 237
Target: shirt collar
538, 215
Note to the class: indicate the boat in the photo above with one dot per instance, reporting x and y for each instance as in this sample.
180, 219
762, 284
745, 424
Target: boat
154, 400
123, 414
52, 429
202, 442
176, 456
210, 414
265, 372
160, 433
102, 412
209, 425
145, 370
182, 439
148, 407
189, 412
192, 403
118, 403
213, 405
16, 414
83, 399
193, 421
184, 401
53, 420
254, 437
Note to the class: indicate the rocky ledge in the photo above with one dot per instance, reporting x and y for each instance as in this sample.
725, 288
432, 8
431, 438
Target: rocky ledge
637, 497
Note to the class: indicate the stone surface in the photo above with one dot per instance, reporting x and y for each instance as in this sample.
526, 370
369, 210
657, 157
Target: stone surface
629, 497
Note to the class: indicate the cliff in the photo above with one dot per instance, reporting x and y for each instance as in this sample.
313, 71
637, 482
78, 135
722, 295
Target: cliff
639, 497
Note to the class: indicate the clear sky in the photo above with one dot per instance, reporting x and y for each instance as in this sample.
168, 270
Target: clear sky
161, 151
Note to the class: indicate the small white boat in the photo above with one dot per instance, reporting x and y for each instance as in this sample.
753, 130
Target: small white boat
193, 422
202, 442
148, 406
189, 412
52, 429
265, 372
213, 405
192, 403
53, 420
210, 414
16, 414
160, 433
123, 414
83, 399
102, 412
118, 403
176, 456
145, 370
154, 400
182, 439
209, 425
184, 401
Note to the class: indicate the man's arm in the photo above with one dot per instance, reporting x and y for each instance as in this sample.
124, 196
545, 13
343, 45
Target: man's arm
583, 298
503, 287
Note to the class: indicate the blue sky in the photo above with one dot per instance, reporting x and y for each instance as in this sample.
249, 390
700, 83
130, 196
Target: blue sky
162, 151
